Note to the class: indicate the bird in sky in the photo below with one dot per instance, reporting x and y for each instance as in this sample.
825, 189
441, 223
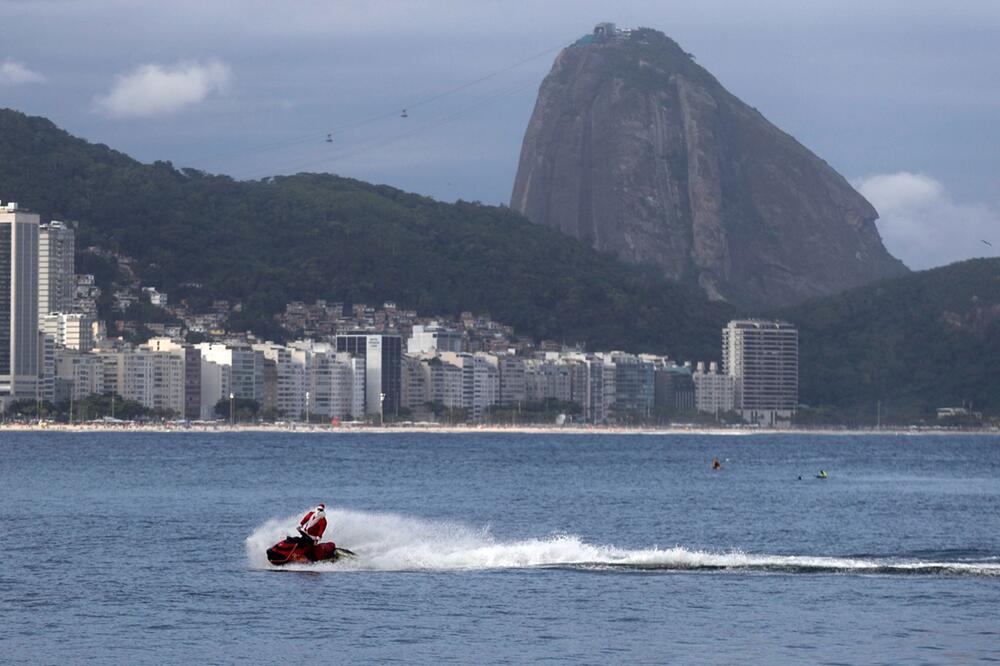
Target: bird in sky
986, 242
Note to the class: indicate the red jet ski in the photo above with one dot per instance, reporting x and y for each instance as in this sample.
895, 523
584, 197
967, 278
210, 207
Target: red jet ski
302, 550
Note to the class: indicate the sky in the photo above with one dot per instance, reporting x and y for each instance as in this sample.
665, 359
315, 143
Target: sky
901, 97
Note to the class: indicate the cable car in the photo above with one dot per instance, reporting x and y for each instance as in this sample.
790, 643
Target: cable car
329, 138
403, 114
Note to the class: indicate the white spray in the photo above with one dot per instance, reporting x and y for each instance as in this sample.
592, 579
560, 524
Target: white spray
393, 542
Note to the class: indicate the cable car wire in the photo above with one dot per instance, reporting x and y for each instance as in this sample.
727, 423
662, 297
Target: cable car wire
313, 136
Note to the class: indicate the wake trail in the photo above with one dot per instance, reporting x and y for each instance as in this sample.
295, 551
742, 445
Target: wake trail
394, 542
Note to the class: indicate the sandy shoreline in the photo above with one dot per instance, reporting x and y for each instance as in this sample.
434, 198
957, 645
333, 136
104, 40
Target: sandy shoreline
467, 429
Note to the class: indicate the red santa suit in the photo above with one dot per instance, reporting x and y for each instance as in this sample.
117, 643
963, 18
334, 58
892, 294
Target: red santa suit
313, 524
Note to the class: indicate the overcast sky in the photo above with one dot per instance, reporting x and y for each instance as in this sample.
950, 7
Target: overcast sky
903, 98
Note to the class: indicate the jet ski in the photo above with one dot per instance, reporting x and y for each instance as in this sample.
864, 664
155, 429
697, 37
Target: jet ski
296, 549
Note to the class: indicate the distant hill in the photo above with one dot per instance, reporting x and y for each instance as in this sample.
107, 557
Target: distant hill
311, 236
927, 340
639, 151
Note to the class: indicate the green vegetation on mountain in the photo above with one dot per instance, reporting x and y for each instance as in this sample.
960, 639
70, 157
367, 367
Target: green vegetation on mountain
265, 243
903, 347
909, 344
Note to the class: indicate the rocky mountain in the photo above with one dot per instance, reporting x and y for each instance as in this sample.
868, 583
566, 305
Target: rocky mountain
638, 151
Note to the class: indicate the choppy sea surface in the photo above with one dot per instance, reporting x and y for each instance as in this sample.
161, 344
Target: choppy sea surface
124, 548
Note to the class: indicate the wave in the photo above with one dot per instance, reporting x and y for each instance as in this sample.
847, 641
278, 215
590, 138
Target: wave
393, 542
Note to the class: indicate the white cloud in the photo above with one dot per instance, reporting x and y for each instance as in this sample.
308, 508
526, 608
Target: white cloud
14, 73
922, 225
155, 90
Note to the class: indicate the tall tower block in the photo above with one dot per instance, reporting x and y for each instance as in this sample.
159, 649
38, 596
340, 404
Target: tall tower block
56, 284
18, 304
763, 358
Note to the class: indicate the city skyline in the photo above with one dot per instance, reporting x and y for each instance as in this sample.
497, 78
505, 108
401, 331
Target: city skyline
353, 368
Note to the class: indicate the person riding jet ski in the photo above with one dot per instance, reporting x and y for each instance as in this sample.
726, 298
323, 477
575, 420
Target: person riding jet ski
312, 525
306, 548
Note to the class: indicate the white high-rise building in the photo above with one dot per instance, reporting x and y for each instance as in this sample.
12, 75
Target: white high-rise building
512, 382
431, 383
56, 280
246, 369
763, 358
444, 382
215, 383
714, 392
291, 373
46, 367
18, 304
86, 296
592, 383
191, 359
383, 366
547, 380
335, 382
414, 384
631, 380
110, 360
359, 383
69, 330
78, 375
153, 379
485, 384
433, 337
480, 381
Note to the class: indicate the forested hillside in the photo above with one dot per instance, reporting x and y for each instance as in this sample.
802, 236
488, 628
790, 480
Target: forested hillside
909, 344
904, 346
320, 236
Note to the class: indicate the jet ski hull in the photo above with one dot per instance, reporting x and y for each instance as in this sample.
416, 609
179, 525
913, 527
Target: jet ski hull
290, 550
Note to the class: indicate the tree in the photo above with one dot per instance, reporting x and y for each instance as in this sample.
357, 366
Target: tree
403, 414
164, 414
30, 409
270, 414
97, 406
539, 411
243, 409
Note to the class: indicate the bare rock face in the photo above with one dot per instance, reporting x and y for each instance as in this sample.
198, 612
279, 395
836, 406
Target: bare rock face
637, 150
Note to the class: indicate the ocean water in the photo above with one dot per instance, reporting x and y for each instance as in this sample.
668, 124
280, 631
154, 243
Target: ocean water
125, 548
